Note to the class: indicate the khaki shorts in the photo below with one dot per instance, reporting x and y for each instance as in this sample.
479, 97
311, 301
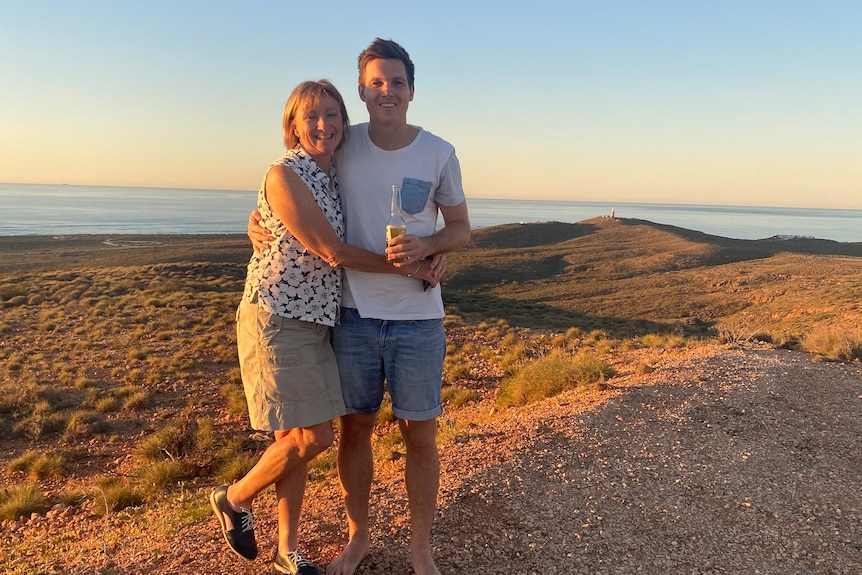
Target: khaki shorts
288, 370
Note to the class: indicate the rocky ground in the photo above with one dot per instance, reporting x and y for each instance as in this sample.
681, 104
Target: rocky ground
711, 460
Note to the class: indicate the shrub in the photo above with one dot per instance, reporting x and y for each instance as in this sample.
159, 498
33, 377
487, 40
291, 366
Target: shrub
48, 465
449, 430
105, 404
84, 424
389, 445
112, 495
22, 462
74, 497
652, 340
137, 401
596, 336
235, 376
324, 465
233, 466
21, 500
510, 339
163, 475
39, 465
835, 342
457, 396
136, 354
203, 438
174, 440
235, 397
457, 369
16, 301
83, 383
385, 414
38, 424
838, 343
552, 375
663, 341
735, 330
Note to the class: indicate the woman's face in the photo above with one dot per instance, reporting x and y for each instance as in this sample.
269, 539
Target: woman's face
319, 128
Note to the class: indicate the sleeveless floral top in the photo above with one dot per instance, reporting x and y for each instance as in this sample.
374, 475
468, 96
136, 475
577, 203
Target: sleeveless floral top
286, 278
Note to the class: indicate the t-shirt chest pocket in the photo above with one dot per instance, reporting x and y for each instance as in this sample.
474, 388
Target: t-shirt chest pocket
414, 195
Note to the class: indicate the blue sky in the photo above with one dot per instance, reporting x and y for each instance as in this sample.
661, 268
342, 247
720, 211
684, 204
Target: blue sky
747, 103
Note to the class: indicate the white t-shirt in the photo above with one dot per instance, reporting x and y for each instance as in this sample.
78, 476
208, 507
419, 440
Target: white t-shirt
430, 175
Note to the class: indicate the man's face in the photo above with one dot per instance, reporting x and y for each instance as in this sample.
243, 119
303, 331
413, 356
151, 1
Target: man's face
385, 91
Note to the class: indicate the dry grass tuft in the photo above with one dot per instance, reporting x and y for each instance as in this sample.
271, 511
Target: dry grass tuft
38, 465
113, 494
835, 342
552, 375
21, 500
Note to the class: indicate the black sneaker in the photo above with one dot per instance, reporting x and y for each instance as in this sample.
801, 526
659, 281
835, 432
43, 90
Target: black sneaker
294, 563
237, 526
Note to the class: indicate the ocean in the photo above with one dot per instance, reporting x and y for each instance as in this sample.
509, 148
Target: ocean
57, 210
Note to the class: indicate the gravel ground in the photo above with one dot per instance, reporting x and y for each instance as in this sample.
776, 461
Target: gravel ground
724, 461
717, 460
739, 462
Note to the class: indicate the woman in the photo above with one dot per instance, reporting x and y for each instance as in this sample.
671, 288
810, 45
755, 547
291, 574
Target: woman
290, 302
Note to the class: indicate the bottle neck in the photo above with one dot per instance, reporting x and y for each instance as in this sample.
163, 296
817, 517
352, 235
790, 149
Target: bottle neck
395, 204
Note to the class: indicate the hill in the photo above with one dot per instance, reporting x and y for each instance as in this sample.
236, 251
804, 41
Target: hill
707, 451
632, 277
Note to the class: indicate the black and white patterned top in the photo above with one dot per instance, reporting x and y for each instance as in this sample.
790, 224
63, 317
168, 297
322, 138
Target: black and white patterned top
287, 278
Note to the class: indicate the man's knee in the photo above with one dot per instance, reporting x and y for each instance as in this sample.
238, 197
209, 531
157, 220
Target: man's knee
419, 434
357, 427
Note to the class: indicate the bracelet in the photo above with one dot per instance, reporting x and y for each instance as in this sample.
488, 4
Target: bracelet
418, 265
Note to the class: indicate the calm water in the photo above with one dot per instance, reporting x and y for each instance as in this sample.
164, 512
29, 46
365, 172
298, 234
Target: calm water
27, 209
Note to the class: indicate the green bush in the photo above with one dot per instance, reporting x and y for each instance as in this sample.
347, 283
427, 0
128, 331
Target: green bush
137, 401
112, 495
552, 375
84, 425
39, 465
21, 500
175, 440
457, 369
235, 396
163, 476
23, 462
233, 466
324, 465
457, 396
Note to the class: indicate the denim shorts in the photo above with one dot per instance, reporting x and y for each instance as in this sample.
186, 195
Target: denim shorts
406, 354
288, 370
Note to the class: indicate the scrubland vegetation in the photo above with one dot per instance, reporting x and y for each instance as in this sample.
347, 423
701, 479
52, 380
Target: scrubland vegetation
118, 379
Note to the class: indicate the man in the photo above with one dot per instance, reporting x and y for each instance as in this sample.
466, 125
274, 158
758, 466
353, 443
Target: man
391, 328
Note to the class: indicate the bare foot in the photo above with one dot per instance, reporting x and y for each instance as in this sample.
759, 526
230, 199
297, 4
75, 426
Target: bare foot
423, 563
351, 557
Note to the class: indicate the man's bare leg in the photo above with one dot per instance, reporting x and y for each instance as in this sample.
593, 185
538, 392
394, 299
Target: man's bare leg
423, 481
355, 472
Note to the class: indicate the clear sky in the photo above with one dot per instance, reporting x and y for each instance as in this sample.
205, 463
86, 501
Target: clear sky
687, 101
